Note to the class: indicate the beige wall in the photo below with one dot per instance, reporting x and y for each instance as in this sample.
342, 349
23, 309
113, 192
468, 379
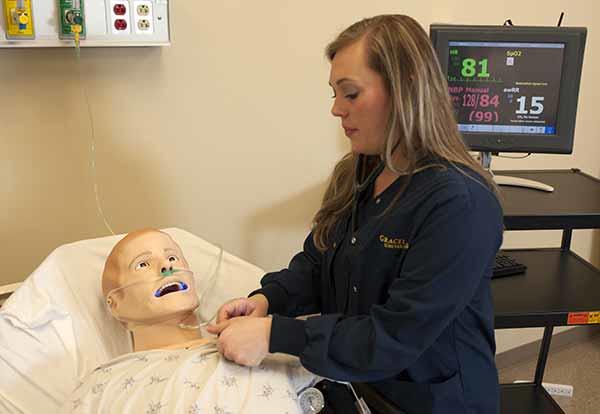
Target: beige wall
226, 133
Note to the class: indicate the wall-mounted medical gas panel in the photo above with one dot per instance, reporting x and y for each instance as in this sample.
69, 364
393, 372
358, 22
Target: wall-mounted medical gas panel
58, 23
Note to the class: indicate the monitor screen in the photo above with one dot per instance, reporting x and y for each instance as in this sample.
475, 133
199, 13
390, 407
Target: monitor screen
499, 87
513, 89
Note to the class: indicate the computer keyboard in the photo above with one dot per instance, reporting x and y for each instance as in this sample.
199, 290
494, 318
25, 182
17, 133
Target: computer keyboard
506, 266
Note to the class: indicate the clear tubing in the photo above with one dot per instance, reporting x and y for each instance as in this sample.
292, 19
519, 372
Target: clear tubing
211, 283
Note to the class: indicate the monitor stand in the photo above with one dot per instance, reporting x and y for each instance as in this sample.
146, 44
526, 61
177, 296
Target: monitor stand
486, 161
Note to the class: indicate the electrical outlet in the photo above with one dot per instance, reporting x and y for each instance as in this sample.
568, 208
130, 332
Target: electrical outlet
120, 21
558, 389
119, 9
143, 17
143, 9
143, 24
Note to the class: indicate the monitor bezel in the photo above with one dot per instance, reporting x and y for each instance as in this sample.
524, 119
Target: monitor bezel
574, 40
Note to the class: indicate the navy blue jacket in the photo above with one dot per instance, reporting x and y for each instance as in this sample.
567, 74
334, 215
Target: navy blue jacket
408, 308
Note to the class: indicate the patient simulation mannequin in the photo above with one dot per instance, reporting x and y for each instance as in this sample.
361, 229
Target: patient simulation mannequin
147, 286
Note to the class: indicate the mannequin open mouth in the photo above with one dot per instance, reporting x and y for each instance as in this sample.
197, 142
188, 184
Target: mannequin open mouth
171, 287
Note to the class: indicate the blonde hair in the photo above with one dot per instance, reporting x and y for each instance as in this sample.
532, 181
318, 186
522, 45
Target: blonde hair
421, 123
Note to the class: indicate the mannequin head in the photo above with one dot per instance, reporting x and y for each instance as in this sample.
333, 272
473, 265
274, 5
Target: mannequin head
141, 283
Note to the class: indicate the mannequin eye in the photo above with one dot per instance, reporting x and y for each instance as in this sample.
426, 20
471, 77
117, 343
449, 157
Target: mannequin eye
141, 265
173, 258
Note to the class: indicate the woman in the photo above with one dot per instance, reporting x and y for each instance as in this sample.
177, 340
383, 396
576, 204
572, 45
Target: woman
399, 260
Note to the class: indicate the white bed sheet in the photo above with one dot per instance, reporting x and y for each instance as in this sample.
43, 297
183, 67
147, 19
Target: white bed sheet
55, 329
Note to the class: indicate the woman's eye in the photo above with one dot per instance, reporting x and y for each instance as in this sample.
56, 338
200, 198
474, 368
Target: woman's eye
352, 96
173, 258
141, 265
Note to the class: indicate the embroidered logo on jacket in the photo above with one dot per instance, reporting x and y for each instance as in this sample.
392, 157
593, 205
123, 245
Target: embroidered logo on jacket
392, 243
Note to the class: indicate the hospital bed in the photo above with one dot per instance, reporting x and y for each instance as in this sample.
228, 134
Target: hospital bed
55, 329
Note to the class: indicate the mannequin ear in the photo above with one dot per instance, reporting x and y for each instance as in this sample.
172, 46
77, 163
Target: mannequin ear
112, 304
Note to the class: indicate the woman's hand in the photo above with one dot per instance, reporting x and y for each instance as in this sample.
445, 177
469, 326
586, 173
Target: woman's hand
255, 306
244, 340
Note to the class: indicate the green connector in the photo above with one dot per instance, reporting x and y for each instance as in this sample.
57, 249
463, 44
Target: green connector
71, 15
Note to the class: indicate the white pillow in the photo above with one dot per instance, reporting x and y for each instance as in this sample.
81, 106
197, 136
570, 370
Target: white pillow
55, 328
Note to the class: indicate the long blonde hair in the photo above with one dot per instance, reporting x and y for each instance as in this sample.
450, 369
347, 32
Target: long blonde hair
421, 123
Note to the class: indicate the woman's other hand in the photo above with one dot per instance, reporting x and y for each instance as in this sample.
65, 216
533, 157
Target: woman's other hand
244, 340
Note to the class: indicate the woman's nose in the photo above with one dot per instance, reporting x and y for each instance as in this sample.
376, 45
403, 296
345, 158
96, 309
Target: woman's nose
337, 110
165, 269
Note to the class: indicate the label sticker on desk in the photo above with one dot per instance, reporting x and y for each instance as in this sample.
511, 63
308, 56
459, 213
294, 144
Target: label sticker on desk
578, 318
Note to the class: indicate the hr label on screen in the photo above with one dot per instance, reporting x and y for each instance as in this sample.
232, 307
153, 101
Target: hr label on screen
497, 86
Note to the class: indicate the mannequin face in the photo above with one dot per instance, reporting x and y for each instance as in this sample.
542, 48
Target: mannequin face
136, 267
